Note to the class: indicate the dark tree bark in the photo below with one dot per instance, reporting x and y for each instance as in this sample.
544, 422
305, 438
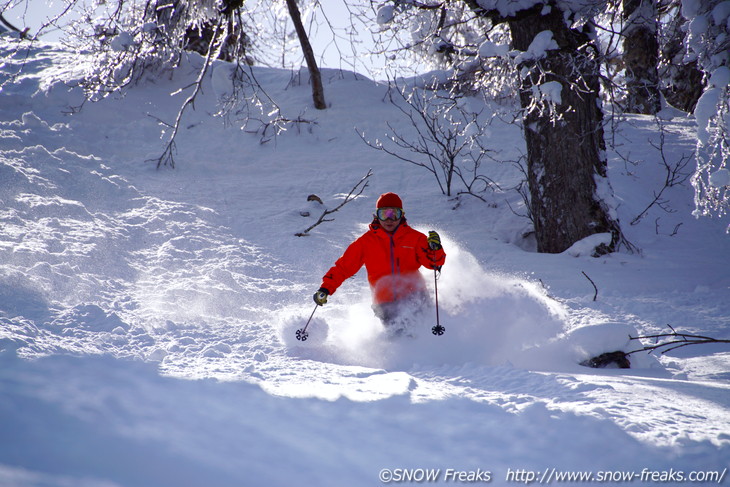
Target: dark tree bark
641, 57
564, 157
565, 162
314, 74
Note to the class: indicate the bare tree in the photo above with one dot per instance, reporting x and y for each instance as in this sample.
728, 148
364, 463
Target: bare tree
130, 40
447, 139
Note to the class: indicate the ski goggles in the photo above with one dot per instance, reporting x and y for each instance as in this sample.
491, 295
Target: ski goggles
389, 214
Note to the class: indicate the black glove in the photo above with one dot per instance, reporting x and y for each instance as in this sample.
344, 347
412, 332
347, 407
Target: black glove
434, 241
320, 297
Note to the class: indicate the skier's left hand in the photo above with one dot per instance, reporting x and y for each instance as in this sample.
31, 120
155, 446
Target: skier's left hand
434, 241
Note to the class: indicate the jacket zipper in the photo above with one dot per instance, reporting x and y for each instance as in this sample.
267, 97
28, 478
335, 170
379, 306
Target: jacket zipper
394, 266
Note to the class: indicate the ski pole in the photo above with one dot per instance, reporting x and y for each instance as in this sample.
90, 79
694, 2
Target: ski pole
437, 330
302, 332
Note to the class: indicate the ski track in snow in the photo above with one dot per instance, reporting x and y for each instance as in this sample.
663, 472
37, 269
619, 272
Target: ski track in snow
147, 316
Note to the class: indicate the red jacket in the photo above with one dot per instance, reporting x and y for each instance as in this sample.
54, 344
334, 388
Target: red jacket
391, 260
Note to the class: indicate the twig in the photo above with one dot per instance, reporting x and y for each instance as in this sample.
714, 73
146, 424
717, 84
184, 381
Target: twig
595, 294
350, 196
673, 177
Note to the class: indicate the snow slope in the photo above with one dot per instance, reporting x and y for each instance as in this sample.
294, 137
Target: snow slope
147, 316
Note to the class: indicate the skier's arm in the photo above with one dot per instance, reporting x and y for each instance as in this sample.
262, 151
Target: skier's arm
345, 267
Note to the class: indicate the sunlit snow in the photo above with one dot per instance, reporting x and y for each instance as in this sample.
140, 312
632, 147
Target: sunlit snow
147, 316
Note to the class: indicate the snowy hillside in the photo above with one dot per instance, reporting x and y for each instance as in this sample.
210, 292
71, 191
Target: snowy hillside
147, 316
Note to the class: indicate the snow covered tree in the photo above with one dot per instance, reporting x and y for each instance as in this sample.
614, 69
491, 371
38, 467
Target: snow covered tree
558, 67
559, 95
131, 39
562, 123
681, 80
708, 41
127, 39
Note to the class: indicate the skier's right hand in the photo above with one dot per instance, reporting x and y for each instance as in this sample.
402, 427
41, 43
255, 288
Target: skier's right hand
434, 241
320, 297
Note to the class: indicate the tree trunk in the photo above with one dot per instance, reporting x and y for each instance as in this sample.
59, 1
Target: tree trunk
314, 75
641, 57
565, 161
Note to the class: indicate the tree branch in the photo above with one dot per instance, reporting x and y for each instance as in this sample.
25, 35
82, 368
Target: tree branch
675, 341
674, 176
167, 155
362, 184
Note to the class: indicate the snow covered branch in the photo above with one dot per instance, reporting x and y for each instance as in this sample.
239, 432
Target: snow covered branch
708, 41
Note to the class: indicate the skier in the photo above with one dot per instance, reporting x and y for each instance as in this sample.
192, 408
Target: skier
392, 253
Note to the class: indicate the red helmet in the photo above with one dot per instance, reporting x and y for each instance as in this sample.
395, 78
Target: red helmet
389, 200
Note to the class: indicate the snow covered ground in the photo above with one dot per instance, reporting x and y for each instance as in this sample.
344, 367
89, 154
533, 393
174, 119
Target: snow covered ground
147, 316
